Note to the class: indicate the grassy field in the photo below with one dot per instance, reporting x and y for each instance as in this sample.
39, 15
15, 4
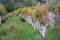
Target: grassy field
15, 29
54, 34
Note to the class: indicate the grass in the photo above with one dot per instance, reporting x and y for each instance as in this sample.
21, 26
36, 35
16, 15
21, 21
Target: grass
54, 34
24, 30
15, 29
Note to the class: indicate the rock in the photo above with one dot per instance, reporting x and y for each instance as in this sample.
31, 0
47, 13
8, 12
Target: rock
3, 18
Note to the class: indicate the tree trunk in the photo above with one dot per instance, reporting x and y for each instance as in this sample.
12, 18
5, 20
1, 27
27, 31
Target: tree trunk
43, 31
0, 19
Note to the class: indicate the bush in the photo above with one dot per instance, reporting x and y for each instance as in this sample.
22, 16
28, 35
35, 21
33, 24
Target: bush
15, 4
2, 9
57, 5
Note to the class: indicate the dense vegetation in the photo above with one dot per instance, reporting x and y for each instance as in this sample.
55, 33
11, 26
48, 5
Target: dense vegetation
15, 29
15, 24
14, 4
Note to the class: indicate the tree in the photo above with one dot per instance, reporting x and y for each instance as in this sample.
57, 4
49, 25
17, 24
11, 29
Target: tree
15, 4
9, 4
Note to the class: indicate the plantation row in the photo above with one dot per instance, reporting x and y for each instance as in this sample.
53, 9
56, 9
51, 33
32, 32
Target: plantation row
38, 16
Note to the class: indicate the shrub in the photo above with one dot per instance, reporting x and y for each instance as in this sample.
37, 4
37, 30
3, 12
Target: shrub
2, 9
57, 5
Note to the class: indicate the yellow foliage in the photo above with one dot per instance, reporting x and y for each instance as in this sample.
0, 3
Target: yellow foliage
2, 9
23, 10
35, 10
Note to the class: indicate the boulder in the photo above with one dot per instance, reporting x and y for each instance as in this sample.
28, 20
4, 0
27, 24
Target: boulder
3, 18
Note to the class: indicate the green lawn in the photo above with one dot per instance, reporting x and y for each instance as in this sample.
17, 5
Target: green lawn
54, 34
20, 31
24, 31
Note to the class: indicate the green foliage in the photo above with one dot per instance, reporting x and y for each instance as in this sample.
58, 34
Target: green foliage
57, 5
32, 2
14, 4
52, 4
9, 4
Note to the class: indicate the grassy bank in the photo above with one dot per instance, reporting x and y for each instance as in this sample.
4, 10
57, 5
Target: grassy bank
15, 29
